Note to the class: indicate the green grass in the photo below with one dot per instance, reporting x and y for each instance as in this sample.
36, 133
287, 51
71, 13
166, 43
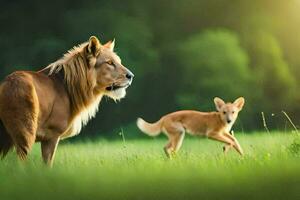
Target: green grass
138, 169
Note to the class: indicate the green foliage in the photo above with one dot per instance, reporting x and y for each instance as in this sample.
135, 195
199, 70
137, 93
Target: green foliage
213, 64
273, 74
181, 54
295, 146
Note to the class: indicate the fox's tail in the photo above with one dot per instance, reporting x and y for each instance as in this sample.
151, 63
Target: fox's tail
153, 129
6, 143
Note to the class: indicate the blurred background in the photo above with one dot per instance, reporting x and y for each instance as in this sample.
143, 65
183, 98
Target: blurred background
183, 53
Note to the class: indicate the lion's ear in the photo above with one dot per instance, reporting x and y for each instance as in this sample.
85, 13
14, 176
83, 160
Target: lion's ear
94, 45
110, 45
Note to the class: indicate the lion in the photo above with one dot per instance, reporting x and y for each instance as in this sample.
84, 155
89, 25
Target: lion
55, 102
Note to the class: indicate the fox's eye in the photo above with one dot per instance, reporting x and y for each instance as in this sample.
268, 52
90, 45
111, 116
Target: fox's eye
232, 112
224, 112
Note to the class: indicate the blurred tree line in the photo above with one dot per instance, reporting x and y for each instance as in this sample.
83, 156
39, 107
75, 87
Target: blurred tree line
183, 53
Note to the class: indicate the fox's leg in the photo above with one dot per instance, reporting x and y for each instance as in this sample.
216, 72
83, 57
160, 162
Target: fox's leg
48, 150
174, 144
168, 149
177, 142
236, 144
176, 133
227, 147
222, 138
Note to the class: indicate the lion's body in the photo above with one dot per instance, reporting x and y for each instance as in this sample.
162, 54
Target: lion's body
53, 103
33, 106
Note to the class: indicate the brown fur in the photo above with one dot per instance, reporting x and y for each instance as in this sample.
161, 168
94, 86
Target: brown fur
214, 125
55, 102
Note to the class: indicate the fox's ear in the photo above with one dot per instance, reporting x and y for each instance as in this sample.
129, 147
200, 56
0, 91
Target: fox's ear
239, 103
110, 45
219, 103
94, 46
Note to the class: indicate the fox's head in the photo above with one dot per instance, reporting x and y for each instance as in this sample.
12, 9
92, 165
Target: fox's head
229, 111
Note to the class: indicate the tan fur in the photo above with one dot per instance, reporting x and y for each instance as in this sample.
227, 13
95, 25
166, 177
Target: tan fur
55, 102
214, 125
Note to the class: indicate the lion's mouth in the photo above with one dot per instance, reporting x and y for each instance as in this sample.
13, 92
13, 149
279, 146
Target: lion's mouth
114, 87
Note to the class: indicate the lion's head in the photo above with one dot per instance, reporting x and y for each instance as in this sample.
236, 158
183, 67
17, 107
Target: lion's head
112, 78
92, 70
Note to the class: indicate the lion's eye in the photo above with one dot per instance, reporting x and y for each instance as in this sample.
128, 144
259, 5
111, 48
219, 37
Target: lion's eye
224, 112
232, 112
110, 62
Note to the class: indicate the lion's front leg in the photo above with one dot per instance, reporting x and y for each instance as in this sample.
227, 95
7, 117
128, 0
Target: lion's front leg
48, 148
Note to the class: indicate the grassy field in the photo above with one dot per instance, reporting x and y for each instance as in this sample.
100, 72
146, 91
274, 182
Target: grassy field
138, 169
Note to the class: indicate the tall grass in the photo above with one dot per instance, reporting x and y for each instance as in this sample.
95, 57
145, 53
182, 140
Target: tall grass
104, 169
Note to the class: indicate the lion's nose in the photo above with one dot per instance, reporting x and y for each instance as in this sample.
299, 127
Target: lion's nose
129, 75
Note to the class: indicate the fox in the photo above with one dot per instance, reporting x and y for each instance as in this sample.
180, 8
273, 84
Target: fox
214, 125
